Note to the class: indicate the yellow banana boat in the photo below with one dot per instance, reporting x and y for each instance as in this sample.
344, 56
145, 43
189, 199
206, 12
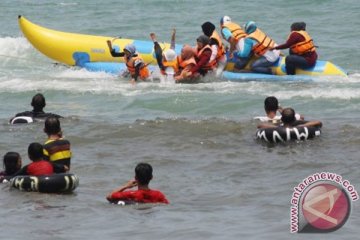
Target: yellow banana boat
92, 52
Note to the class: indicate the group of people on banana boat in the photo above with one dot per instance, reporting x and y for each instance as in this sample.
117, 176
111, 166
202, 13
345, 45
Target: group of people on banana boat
210, 54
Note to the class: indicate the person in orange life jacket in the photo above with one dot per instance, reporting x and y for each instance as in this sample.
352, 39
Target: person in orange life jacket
134, 63
12, 163
56, 148
166, 60
218, 56
258, 43
186, 62
302, 49
38, 103
143, 175
39, 166
235, 35
289, 120
203, 55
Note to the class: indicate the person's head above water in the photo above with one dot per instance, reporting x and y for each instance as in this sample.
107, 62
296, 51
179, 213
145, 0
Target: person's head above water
130, 49
208, 28
170, 55
187, 52
143, 173
271, 104
224, 20
298, 26
250, 27
35, 151
12, 162
52, 126
288, 116
38, 102
203, 40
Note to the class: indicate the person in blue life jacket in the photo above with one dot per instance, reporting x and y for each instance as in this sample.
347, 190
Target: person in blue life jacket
262, 46
234, 35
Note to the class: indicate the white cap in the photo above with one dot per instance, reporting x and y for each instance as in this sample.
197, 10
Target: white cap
225, 19
170, 55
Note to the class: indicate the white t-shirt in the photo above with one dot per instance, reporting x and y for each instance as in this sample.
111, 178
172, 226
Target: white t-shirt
276, 119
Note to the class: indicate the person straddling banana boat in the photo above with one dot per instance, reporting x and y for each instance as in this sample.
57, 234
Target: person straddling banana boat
235, 36
259, 44
218, 55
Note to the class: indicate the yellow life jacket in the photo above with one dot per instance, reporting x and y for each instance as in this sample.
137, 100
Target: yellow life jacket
130, 64
264, 42
305, 46
236, 31
221, 48
173, 64
209, 65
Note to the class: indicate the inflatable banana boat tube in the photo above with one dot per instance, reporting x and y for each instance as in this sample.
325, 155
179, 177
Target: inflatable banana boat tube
91, 52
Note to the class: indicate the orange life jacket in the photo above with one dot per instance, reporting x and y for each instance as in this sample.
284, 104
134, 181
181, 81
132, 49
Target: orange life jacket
236, 31
173, 64
264, 42
130, 64
209, 65
221, 49
184, 63
305, 46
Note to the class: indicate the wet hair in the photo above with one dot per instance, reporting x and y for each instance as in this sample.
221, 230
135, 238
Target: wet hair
143, 173
271, 104
52, 125
38, 102
302, 26
11, 163
298, 26
288, 116
203, 39
208, 28
35, 151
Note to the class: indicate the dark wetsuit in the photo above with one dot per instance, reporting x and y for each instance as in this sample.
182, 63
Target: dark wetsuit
36, 115
158, 54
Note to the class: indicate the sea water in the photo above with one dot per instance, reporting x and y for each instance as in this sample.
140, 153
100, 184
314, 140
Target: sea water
199, 138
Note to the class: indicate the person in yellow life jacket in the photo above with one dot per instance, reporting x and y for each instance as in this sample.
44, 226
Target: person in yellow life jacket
56, 148
203, 55
302, 49
134, 63
235, 35
261, 45
218, 55
186, 62
166, 60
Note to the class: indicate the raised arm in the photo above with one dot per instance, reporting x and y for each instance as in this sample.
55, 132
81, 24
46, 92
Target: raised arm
129, 184
112, 51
